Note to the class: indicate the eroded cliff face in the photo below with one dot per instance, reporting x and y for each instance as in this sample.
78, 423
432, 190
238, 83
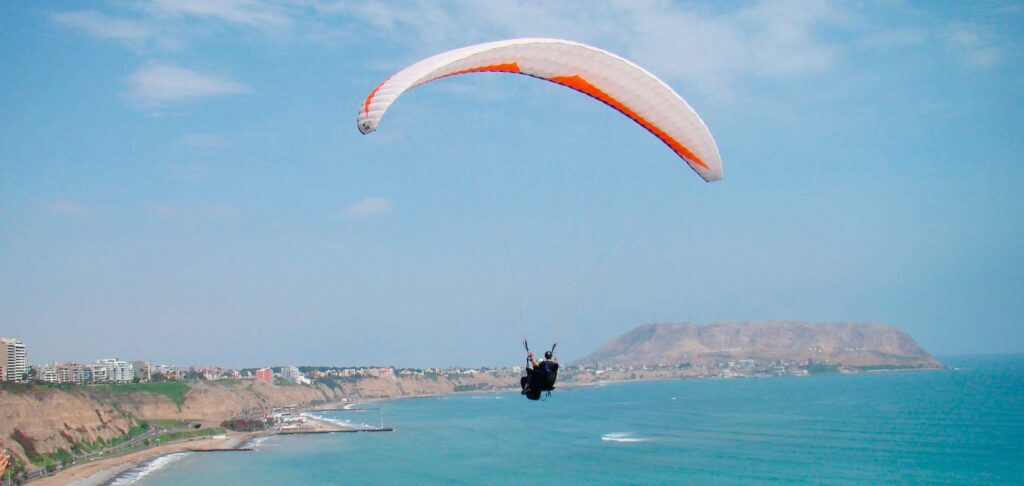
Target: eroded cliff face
45, 420
214, 402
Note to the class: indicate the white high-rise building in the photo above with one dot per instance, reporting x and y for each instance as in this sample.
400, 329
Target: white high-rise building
13, 359
113, 370
46, 373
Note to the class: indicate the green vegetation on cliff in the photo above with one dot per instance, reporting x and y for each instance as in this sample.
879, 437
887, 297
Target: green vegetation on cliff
820, 368
175, 391
187, 434
62, 456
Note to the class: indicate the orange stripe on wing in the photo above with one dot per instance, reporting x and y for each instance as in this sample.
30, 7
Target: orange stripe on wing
509, 67
366, 104
579, 84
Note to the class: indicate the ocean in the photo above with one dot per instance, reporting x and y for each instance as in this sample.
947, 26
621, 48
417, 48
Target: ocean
962, 425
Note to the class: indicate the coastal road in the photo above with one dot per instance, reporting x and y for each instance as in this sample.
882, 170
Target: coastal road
150, 433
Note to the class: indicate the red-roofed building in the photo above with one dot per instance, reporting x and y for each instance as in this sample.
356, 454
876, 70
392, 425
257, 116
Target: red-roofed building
264, 375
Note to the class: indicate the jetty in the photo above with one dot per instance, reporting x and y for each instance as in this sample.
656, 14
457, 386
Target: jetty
338, 431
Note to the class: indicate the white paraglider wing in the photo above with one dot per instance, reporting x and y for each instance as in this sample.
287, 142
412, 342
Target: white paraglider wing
618, 83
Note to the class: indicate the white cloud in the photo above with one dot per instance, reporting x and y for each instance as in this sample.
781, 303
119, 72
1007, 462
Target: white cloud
201, 212
368, 206
897, 37
973, 44
163, 210
130, 32
204, 140
67, 208
712, 47
219, 211
710, 50
99, 25
156, 84
187, 171
254, 13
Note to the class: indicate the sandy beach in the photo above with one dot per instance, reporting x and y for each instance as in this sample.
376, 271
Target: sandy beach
102, 471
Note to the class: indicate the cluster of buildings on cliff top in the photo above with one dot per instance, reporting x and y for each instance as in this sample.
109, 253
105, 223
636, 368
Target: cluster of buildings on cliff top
14, 368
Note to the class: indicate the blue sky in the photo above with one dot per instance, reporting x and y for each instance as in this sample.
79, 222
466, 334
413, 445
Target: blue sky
182, 181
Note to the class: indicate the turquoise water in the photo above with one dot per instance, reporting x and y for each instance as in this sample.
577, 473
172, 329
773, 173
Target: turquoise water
952, 426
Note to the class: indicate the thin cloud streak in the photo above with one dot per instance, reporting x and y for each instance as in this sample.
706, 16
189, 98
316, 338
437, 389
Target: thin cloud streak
162, 210
99, 25
156, 84
367, 207
66, 208
204, 141
253, 13
973, 45
208, 212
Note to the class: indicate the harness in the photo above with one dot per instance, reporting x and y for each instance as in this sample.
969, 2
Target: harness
540, 379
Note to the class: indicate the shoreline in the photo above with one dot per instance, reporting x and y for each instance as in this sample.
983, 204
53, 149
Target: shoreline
102, 471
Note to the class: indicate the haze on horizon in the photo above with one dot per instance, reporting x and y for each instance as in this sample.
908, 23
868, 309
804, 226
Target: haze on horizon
183, 182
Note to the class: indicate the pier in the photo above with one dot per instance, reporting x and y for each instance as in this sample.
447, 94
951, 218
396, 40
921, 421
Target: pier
337, 431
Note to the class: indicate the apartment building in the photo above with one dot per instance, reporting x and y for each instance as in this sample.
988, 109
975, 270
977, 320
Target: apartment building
13, 359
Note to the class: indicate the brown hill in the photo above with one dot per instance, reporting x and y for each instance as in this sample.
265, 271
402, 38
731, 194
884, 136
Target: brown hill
845, 344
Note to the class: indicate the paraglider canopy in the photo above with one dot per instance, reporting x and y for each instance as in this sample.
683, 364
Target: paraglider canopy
608, 78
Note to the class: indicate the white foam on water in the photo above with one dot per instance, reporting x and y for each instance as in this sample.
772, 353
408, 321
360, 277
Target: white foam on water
342, 422
255, 443
622, 437
145, 469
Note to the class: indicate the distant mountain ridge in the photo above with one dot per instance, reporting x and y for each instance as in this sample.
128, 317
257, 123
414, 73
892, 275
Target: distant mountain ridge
837, 343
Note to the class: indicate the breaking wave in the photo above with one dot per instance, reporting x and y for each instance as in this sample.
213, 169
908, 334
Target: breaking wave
622, 437
146, 468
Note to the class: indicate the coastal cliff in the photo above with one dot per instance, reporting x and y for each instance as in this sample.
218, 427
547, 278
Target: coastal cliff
45, 420
41, 421
851, 345
37, 420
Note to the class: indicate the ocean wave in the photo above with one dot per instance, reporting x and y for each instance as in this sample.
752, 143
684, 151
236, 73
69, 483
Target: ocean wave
343, 422
255, 442
146, 468
622, 437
